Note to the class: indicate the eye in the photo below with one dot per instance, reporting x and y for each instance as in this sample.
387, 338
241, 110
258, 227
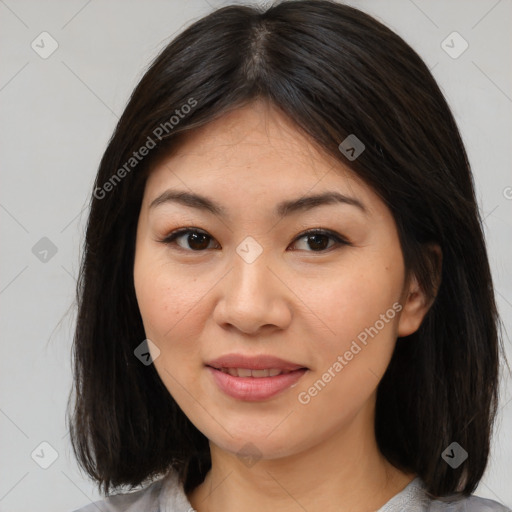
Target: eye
318, 239
196, 239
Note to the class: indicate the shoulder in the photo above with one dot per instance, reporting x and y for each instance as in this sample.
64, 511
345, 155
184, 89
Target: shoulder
144, 499
469, 504
414, 498
163, 495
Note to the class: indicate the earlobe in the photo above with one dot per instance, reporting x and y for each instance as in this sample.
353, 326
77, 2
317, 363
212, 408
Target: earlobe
415, 307
416, 301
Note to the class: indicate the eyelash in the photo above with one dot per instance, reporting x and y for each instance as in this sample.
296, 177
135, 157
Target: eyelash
171, 238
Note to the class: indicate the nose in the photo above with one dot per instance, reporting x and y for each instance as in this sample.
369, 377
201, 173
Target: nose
254, 297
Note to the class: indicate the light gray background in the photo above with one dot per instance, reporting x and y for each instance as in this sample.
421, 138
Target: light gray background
57, 115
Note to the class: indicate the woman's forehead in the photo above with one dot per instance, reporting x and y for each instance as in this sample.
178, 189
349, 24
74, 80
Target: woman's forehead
255, 127
254, 142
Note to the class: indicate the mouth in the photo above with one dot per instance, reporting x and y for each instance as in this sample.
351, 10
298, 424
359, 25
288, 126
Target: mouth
254, 378
257, 374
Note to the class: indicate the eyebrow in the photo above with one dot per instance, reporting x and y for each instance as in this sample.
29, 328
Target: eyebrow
282, 209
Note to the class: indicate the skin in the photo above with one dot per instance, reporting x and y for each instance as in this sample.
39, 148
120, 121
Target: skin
295, 301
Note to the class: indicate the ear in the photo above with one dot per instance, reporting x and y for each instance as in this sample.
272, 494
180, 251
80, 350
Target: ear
415, 301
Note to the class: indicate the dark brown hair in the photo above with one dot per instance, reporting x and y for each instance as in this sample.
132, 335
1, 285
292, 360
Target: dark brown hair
334, 71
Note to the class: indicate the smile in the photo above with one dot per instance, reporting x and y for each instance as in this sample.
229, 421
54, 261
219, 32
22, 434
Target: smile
246, 372
254, 385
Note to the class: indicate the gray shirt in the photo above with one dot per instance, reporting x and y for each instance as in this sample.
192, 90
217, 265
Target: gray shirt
166, 495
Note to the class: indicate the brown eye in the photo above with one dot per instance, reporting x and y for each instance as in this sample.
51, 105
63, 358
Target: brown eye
194, 239
318, 240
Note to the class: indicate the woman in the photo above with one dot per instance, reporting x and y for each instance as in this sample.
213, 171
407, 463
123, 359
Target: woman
285, 298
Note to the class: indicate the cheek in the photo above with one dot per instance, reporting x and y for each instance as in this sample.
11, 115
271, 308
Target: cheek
355, 299
361, 310
351, 362
167, 302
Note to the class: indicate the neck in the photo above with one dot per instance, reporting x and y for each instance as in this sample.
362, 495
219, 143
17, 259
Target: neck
344, 472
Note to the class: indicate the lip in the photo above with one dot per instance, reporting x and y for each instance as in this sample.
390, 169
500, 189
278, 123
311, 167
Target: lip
260, 362
255, 389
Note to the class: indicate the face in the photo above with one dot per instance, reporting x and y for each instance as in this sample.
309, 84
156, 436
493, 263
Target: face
260, 270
